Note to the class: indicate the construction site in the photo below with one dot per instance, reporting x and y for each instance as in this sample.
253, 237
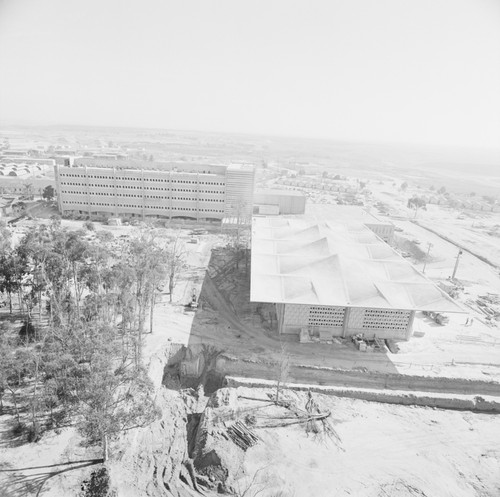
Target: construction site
295, 350
302, 418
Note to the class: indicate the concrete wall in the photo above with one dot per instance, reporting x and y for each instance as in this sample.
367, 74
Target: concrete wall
287, 203
240, 181
382, 323
459, 401
384, 231
315, 318
339, 321
267, 209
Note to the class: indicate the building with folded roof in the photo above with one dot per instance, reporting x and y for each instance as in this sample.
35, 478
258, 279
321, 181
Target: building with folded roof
337, 279
349, 213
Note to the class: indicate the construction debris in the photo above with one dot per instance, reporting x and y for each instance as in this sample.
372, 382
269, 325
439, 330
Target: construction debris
364, 344
241, 435
488, 304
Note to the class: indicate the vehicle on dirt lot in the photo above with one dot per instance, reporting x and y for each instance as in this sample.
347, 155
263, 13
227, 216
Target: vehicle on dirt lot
437, 317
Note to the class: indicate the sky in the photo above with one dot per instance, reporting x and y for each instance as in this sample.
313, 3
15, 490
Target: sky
398, 71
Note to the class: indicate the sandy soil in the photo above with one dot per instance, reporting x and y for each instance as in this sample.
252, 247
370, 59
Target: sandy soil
54, 466
384, 450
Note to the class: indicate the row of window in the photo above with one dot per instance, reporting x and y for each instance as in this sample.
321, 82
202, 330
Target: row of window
128, 195
103, 204
160, 180
132, 187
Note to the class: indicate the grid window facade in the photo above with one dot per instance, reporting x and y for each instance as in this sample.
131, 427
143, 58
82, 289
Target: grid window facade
171, 193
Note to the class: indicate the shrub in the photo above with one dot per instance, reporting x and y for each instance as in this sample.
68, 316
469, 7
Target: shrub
18, 429
97, 485
34, 433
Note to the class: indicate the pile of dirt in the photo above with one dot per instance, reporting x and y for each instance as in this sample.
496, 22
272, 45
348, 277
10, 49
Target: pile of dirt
153, 461
185, 451
215, 455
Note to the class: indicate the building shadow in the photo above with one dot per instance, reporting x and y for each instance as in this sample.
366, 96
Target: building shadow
246, 335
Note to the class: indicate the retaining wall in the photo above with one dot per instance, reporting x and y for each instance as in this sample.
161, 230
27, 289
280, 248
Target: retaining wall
422, 399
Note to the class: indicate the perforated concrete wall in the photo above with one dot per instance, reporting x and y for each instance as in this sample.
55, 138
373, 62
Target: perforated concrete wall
327, 318
341, 321
297, 316
383, 323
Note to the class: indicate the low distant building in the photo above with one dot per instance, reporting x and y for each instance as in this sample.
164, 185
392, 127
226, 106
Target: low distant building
27, 160
273, 202
6, 208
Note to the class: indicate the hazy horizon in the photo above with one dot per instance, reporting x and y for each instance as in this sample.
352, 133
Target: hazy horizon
392, 71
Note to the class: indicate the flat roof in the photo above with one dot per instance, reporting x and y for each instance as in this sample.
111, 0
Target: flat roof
284, 193
302, 260
343, 213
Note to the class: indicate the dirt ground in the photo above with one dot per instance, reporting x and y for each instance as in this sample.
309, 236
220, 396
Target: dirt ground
405, 445
234, 324
384, 450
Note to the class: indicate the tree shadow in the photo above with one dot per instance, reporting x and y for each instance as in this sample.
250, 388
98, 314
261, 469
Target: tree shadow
16, 484
8, 438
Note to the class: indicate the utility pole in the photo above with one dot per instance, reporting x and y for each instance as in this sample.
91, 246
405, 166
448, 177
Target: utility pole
456, 264
429, 245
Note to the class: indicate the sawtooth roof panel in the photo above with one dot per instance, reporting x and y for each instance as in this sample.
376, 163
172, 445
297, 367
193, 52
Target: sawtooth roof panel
304, 260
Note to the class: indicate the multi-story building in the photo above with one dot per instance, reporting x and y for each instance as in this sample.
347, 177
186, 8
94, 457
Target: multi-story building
162, 190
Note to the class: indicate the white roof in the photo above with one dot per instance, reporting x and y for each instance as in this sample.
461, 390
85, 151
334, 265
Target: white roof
302, 260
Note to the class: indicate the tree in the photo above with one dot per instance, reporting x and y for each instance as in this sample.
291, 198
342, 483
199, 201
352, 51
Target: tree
55, 221
82, 358
10, 275
282, 371
12, 371
115, 397
89, 226
5, 238
28, 190
239, 235
105, 236
176, 257
442, 190
416, 203
404, 186
48, 193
